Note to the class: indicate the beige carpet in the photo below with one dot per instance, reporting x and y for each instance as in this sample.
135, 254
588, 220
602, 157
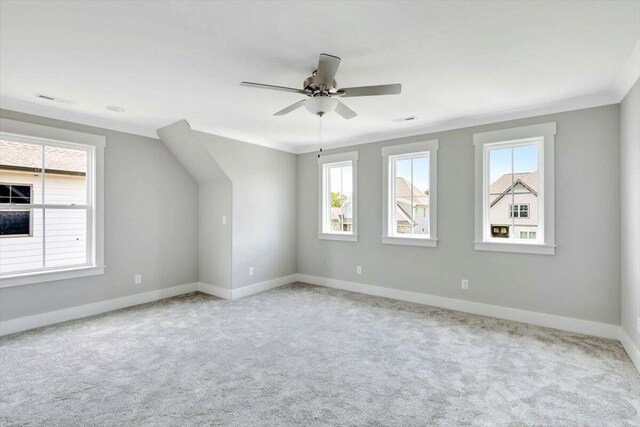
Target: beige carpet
305, 355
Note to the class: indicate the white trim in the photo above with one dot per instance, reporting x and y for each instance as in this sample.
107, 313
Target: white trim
632, 350
388, 184
338, 236
52, 317
543, 135
49, 276
599, 99
410, 241
323, 163
213, 290
94, 145
256, 288
520, 248
604, 330
628, 75
69, 115
515, 134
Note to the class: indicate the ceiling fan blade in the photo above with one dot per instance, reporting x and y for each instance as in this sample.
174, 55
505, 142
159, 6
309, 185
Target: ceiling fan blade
290, 108
327, 68
272, 87
393, 89
344, 111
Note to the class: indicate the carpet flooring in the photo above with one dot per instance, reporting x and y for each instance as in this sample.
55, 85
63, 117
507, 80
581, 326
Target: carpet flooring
302, 355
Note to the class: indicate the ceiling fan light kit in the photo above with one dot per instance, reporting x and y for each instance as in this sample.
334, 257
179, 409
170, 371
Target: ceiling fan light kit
321, 88
320, 105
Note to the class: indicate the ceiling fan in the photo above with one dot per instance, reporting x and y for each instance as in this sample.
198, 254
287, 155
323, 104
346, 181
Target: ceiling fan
322, 90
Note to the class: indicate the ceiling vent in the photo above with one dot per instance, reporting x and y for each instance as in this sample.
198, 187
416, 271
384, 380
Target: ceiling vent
53, 98
405, 119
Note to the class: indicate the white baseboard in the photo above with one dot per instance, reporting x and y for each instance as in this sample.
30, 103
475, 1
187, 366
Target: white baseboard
255, 288
214, 290
587, 327
632, 350
49, 318
245, 291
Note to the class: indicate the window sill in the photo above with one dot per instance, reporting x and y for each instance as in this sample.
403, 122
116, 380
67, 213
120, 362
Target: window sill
521, 248
411, 241
49, 276
336, 236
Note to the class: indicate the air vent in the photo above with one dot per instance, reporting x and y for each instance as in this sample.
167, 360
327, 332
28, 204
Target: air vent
405, 119
53, 98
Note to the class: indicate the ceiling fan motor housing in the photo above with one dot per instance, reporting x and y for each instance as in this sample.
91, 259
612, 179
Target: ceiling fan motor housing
311, 84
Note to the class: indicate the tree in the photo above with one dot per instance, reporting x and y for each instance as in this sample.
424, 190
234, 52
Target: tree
337, 199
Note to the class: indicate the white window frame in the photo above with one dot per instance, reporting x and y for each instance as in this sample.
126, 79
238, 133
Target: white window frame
389, 154
544, 135
324, 163
94, 145
30, 234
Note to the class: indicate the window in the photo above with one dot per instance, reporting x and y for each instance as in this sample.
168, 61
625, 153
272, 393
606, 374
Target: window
410, 194
338, 190
14, 223
519, 211
50, 203
515, 189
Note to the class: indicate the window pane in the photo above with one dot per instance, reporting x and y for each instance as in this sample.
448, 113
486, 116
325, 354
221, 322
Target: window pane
65, 176
525, 161
65, 237
15, 223
20, 194
403, 204
421, 195
20, 253
20, 166
500, 200
340, 196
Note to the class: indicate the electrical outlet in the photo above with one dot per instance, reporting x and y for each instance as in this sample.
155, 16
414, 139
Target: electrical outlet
465, 284
250, 271
138, 279
224, 219
359, 269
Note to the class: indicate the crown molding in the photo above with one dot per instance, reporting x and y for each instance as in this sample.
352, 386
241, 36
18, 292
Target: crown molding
51, 112
624, 81
629, 74
589, 101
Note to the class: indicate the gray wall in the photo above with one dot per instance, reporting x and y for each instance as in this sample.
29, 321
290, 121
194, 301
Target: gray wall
263, 208
147, 194
582, 280
215, 195
630, 202
215, 242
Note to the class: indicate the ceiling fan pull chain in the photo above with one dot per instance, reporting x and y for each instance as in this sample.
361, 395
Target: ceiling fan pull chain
319, 135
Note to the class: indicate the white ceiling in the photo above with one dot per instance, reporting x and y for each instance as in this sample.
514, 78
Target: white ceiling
459, 62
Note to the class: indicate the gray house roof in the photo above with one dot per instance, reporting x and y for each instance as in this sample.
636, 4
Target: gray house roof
28, 157
403, 191
502, 186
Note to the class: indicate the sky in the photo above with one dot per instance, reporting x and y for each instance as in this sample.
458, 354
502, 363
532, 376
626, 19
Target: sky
420, 171
525, 159
340, 180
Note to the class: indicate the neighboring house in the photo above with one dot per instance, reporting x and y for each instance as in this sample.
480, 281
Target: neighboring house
22, 232
408, 218
342, 217
514, 215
